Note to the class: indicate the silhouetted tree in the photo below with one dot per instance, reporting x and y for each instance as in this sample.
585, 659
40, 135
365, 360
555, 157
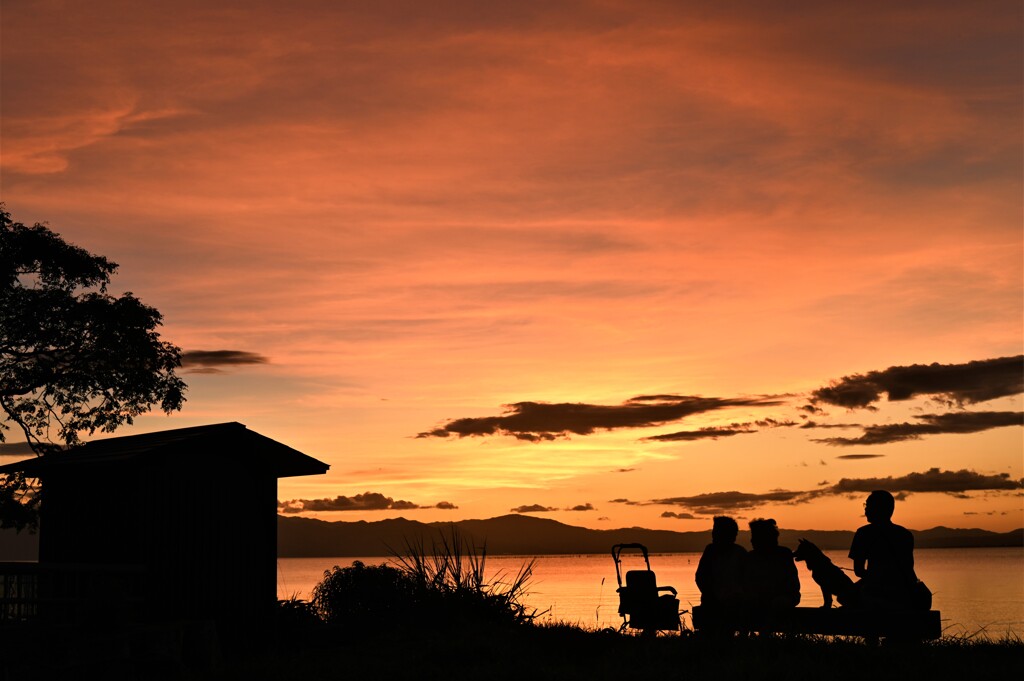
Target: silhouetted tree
73, 358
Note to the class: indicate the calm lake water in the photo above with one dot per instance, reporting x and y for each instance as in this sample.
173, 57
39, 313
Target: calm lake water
978, 591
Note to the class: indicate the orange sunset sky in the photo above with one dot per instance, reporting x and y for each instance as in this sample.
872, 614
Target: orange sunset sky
612, 263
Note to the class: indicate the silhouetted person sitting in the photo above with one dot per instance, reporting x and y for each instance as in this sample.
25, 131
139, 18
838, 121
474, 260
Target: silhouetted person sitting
720, 571
770, 576
883, 556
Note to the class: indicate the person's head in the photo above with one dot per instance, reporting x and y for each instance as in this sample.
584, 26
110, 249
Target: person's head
764, 533
879, 506
724, 530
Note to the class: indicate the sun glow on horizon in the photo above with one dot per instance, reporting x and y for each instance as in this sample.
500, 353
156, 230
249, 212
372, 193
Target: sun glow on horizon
397, 221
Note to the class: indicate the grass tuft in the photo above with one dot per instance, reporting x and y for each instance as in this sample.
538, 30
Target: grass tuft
444, 586
451, 574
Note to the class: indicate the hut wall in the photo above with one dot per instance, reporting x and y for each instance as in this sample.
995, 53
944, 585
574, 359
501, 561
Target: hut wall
90, 517
202, 526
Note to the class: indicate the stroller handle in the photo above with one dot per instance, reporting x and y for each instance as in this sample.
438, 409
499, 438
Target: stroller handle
617, 550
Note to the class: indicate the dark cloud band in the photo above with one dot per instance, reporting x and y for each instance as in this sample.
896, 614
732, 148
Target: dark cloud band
719, 502
931, 424
537, 421
211, 361
934, 480
678, 516
368, 501
953, 384
967, 383
533, 508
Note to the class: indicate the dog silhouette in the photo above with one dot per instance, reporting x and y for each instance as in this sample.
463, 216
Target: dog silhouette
832, 580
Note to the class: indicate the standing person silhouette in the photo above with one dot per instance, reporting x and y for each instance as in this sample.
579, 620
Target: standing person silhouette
883, 556
720, 570
772, 581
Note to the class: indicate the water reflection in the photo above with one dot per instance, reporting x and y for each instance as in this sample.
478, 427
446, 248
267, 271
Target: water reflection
977, 590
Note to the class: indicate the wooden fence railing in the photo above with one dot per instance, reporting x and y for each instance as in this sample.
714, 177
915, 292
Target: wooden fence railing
69, 593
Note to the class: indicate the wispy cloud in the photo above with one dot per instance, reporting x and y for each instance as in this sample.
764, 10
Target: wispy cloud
582, 507
715, 432
807, 425
933, 424
967, 383
709, 433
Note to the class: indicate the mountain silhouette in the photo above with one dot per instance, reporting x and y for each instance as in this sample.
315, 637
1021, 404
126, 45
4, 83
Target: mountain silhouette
527, 535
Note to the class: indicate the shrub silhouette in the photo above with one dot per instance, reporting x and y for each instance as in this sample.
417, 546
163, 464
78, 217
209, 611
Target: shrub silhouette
366, 595
444, 587
296, 622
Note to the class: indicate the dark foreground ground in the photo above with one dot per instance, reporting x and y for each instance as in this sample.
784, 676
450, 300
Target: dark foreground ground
522, 653
531, 653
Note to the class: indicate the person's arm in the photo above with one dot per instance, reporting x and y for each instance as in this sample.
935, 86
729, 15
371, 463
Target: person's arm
857, 553
793, 579
911, 573
702, 576
910, 540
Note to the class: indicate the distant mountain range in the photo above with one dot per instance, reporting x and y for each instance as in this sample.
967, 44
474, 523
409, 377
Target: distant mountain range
527, 535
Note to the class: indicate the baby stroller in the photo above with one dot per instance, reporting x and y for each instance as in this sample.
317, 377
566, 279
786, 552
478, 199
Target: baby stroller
641, 603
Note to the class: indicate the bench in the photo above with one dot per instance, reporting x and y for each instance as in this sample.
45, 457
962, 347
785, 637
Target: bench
904, 624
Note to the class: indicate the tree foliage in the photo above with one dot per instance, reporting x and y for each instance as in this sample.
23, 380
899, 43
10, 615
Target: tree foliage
74, 359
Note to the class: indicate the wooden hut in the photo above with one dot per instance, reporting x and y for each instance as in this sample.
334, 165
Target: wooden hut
192, 513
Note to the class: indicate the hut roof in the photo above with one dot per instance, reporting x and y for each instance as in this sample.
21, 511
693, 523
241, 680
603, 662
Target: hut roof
233, 441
